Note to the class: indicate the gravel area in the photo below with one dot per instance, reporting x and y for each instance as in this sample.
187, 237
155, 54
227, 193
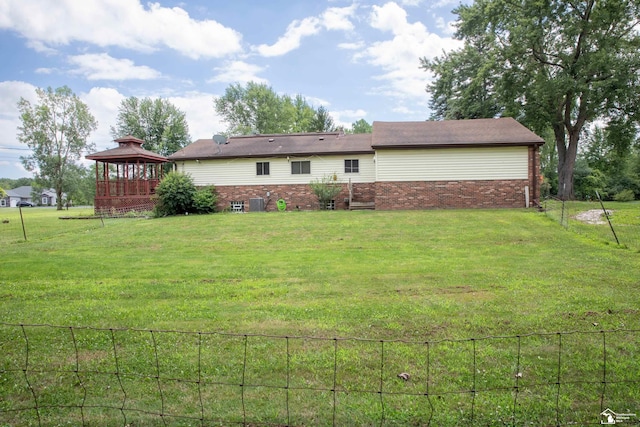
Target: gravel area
593, 216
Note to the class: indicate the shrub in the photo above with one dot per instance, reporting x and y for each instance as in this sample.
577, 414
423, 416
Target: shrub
625, 196
175, 194
326, 189
205, 200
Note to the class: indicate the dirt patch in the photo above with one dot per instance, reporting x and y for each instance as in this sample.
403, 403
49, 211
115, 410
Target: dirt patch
593, 216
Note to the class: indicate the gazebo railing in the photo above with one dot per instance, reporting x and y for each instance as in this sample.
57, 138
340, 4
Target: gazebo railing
126, 187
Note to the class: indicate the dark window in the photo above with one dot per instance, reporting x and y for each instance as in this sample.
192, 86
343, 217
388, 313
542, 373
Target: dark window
351, 166
303, 167
262, 168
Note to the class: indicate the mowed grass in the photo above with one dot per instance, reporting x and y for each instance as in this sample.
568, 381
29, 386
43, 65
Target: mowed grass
416, 276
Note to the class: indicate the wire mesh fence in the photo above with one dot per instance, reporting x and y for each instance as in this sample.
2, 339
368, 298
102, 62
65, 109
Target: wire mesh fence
54, 375
28, 224
612, 222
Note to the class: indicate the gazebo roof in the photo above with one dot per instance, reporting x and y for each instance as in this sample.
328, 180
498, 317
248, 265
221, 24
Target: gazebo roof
129, 150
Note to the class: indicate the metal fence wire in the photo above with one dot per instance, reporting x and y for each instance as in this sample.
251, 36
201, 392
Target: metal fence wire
595, 220
54, 375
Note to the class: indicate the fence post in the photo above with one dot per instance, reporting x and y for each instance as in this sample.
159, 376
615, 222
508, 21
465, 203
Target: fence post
606, 214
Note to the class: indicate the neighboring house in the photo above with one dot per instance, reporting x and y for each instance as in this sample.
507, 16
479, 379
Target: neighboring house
401, 165
25, 194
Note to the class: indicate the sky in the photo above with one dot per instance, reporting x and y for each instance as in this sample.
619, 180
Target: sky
358, 59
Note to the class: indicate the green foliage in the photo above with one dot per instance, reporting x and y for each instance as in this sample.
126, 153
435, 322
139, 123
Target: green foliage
326, 189
322, 121
257, 108
8, 183
553, 65
465, 84
56, 130
175, 194
588, 181
205, 200
158, 122
625, 196
361, 126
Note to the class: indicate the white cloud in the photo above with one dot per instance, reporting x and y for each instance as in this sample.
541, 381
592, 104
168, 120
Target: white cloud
292, 38
10, 94
399, 56
448, 28
337, 18
102, 66
103, 103
346, 118
351, 46
201, 116
237, 72
334, 18
126, 24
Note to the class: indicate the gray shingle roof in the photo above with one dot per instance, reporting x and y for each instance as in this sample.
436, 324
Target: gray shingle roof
453, 133
277, 146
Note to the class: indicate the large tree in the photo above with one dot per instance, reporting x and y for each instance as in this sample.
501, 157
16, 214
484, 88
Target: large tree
158, 122
257, 108
56, 130
553, 64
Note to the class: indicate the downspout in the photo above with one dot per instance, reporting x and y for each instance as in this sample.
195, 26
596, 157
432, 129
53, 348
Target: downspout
534, 184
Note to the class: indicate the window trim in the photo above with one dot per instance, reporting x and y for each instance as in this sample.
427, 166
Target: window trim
260, 169
351, 168
301, 168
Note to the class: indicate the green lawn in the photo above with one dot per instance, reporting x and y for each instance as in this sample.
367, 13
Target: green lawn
414, 276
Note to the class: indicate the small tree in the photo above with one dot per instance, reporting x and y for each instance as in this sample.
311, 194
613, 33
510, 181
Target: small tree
175, 194
326, 189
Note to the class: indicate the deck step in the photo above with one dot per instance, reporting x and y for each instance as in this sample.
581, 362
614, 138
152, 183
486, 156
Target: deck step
362, 205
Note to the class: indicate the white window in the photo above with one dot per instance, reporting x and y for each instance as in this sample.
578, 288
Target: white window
331, 205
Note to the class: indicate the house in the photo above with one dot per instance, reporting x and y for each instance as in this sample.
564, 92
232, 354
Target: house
400, 165
25, 193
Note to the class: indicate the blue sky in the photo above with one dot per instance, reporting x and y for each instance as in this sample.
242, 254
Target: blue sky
359, 59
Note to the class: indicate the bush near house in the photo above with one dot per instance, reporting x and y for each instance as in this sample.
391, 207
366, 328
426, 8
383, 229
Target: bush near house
326, 189
178, 195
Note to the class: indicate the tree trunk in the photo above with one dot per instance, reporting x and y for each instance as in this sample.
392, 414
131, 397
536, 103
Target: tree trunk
566, 161
58, 197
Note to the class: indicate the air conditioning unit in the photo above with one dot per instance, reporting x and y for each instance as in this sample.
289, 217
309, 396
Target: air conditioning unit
256, 205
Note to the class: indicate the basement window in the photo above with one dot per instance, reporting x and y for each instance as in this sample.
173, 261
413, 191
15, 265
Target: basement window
301, 167
237, 206
331, 205
351, 166
262, 168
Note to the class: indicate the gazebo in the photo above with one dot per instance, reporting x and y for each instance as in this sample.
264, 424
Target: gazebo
126, 177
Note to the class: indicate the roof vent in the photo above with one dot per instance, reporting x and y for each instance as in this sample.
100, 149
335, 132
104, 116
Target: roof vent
321, 138
270, 139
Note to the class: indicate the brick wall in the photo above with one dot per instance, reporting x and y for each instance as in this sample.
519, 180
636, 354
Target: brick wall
450, 194
297, 196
